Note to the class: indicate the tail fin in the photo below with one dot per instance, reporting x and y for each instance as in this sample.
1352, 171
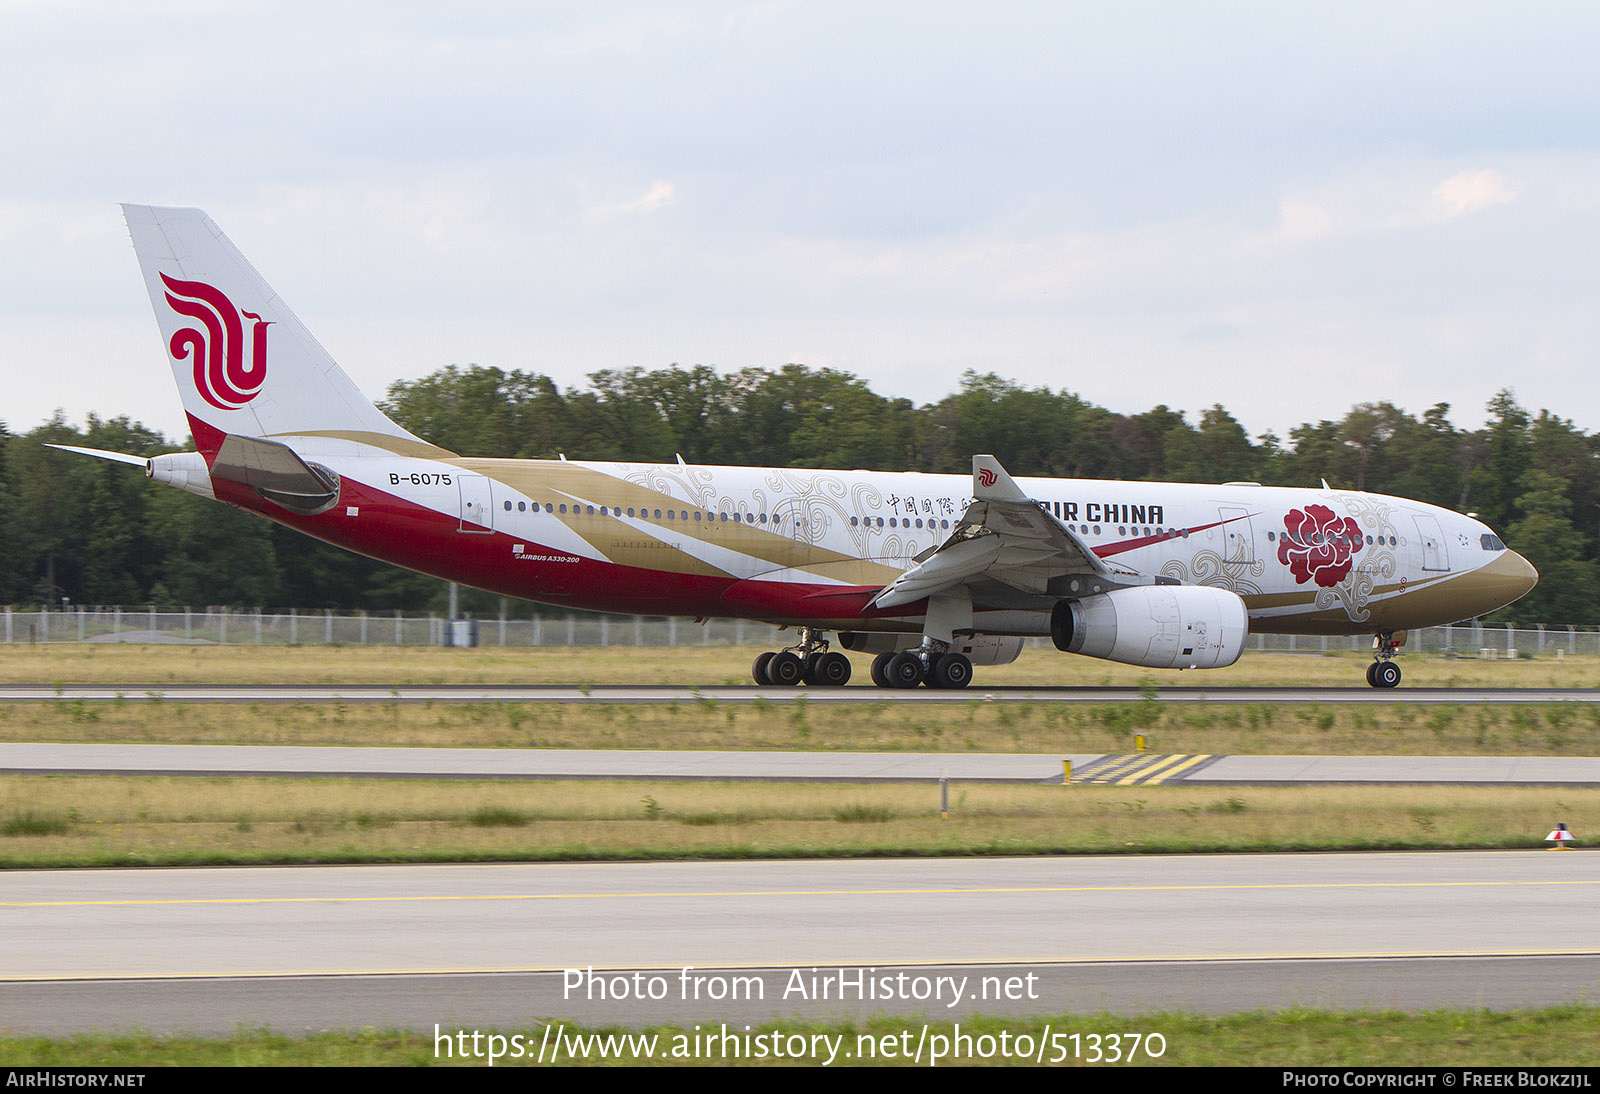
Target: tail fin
244, 364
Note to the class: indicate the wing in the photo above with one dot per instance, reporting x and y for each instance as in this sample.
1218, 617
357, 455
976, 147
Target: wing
1003, 536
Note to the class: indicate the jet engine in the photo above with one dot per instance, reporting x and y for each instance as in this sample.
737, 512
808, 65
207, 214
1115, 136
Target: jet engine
1157, 626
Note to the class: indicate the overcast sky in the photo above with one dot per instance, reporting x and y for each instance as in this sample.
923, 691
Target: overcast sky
1282, 208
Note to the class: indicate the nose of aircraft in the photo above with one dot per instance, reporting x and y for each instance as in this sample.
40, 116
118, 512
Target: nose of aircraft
1503, 580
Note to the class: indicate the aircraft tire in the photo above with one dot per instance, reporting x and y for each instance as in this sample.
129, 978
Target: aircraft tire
880, 670
785, 669
1372, 679
1386, 675
758, 671
830, 670
904, 670
953, 670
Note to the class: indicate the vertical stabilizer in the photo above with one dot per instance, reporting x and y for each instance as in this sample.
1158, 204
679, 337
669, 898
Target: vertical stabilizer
244, 364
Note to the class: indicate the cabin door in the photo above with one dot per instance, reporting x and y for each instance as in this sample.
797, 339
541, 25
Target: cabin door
477, 503
1434, 554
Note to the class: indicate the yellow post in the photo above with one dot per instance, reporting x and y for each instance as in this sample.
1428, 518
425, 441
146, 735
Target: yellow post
1066, 772
1138, 742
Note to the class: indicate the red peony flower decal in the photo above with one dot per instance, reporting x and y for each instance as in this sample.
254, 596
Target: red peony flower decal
1318, 544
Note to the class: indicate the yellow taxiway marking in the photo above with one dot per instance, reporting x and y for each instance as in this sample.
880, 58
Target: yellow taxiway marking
1180, 769
663, 895
1116, 767
1140, 768
1163, 771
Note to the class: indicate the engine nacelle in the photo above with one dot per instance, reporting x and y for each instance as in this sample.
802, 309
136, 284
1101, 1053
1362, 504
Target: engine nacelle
1157, 626
988, 649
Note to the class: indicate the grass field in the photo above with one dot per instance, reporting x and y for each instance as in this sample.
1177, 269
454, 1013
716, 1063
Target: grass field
1394, 728
143, 667
71, 820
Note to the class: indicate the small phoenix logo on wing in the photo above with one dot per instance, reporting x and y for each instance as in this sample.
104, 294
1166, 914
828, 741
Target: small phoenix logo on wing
222, 375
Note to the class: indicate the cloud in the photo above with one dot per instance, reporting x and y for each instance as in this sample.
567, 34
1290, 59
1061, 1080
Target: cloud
660, 194
1470, 192
1384, 196
1301, 220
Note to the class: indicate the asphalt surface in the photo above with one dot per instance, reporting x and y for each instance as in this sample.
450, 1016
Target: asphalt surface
867, 767
208, 951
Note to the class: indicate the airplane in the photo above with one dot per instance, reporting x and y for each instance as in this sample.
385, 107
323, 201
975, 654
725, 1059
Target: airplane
930, 574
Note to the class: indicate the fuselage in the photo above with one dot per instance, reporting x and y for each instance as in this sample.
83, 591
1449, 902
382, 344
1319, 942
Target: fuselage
814, 547
1155, 574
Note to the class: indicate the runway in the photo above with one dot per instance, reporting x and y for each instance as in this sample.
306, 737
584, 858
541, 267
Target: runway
342, 947
749, 693
1134, 769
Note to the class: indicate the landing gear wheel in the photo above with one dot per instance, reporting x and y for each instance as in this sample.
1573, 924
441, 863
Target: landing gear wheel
784, 669
953, 670
1385, 674
831, 670
880, 670
905, 670
1372, 680
758, 671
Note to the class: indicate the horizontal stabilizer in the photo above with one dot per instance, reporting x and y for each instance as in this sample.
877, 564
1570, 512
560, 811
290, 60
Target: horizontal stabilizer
119, 457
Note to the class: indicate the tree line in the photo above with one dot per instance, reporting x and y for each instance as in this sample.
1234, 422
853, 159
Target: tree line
97, 533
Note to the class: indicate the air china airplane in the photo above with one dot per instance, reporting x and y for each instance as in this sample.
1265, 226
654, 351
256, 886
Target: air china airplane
932, 574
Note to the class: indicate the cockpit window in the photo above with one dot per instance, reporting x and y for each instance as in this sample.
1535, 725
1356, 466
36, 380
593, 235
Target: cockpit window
1491, 542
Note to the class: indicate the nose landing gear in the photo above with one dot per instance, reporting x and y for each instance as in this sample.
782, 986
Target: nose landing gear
1383, 672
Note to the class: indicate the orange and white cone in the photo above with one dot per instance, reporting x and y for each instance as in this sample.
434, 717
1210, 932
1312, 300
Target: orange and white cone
1559, 838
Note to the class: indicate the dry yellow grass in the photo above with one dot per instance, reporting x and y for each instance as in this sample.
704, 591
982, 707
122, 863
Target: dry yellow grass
1396, 728
142, 667
1392, 728
156, 820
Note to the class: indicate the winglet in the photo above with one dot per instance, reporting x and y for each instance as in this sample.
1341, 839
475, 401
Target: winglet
991, 483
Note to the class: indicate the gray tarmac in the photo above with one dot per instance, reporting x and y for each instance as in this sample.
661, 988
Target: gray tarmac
867, 767
300, 948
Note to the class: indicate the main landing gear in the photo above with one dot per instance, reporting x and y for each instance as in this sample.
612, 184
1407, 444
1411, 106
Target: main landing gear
909, 668
806, 662
1383, 672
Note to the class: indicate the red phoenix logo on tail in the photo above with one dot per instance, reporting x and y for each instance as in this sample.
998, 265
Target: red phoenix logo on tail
986, 476
221, 374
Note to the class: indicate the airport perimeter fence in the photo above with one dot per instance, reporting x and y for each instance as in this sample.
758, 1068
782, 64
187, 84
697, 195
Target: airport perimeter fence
235, 627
